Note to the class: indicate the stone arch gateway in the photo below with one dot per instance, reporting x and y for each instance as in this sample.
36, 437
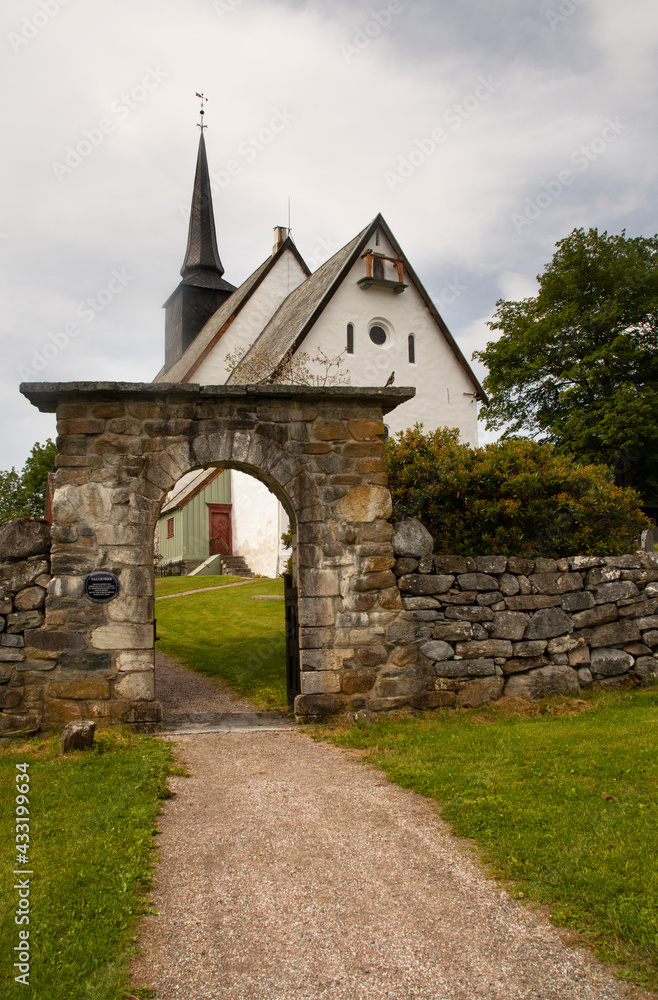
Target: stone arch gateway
122, 446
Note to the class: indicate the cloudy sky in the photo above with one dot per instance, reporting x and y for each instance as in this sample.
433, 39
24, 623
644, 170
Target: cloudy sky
483, 131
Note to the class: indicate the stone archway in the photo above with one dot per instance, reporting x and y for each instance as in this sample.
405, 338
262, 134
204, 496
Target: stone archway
122, 447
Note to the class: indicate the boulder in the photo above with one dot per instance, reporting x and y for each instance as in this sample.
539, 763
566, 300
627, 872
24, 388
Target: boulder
548, 623
610, 662
646, 668
78, 735
480, 692
411, 538
437, 650
584, 676
543, 683
23, 538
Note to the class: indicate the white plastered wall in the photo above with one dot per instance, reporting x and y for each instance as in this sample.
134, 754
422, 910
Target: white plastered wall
284, 277
258, 522
444, 393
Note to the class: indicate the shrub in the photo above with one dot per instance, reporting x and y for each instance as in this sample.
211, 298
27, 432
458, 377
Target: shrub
515, 497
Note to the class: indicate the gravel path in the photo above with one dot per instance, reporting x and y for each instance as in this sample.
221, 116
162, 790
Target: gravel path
182, 691
289, 870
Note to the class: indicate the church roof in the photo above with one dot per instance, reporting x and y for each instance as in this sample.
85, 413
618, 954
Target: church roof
300, 311
202, 265
219, 322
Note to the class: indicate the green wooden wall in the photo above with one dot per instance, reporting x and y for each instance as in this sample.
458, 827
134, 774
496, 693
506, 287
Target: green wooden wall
192, 524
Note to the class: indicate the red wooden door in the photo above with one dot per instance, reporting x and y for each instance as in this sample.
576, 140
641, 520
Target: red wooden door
221, 535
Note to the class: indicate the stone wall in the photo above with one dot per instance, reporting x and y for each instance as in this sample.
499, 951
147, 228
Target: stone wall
493, 625
24, 578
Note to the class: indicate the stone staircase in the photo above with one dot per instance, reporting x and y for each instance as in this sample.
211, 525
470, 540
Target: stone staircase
235, 566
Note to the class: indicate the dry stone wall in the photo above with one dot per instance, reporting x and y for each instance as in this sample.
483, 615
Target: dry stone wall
24, 579
493, 625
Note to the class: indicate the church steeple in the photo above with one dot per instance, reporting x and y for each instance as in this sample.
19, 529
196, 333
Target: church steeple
202, 253
203, 288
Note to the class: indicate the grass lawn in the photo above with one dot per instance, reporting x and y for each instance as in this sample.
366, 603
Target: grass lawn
177, 584
92, 816
226, 634
563, 806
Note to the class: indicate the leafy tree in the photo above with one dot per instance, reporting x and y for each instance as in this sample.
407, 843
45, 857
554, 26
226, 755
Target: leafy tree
577, 364
515, 497
24, 495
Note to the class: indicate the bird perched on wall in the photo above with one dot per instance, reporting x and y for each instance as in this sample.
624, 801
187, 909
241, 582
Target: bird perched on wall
391, 379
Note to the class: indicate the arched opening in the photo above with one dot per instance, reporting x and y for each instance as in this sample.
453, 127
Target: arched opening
225, 596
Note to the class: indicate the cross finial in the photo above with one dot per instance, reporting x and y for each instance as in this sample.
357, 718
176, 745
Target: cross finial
204, 100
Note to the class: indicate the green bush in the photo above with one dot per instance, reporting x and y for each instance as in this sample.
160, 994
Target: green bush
514, 497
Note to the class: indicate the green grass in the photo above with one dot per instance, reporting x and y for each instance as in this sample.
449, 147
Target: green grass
177, 584
225, 634
92, 816
563, 806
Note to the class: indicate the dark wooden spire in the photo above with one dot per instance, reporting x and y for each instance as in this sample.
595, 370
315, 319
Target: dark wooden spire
202, 254
203, 289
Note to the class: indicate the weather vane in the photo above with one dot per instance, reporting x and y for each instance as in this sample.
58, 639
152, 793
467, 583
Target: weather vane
204, 100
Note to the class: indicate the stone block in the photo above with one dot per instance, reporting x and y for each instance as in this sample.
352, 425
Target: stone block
79, 689
584, 676
534, 602
508, 625
523, 664
520, 567
437, 650
317, 638
508, 585
365, 503
604, 574
432, 699
320, 682
610, 662
646, 668
615, 634
10, 698
371, 656
419, 584
491, 564
15, 641
317, 611
390, 599
21, 620
545, 682
422, 616
565, 643
477, 581
136, 686
85, 661
453, 631
53, 640
402, 656
584, 562
621, 682
30, 599
488, 598
480, 692
320, 583
548, 623
468, 614
485, 648
449, 669
637, 649
412, 539
454, 564
459, 597
425, 564
600, 614
398, 687
555, 583
358, 681
11, 725
651, 638
533, 648
578, 601
608, 592
420, 604
646, 623
375, 581
364, 430
22, 538
623, 562
405, 565
546, 566
401, 633
78, 736
66, 586
122, 636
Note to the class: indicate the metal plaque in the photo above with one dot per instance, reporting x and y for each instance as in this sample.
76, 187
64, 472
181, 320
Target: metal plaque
101, 587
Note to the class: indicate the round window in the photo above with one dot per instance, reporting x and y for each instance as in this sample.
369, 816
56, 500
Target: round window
378, 335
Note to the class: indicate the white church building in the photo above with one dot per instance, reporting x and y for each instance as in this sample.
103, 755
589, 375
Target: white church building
365, 303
